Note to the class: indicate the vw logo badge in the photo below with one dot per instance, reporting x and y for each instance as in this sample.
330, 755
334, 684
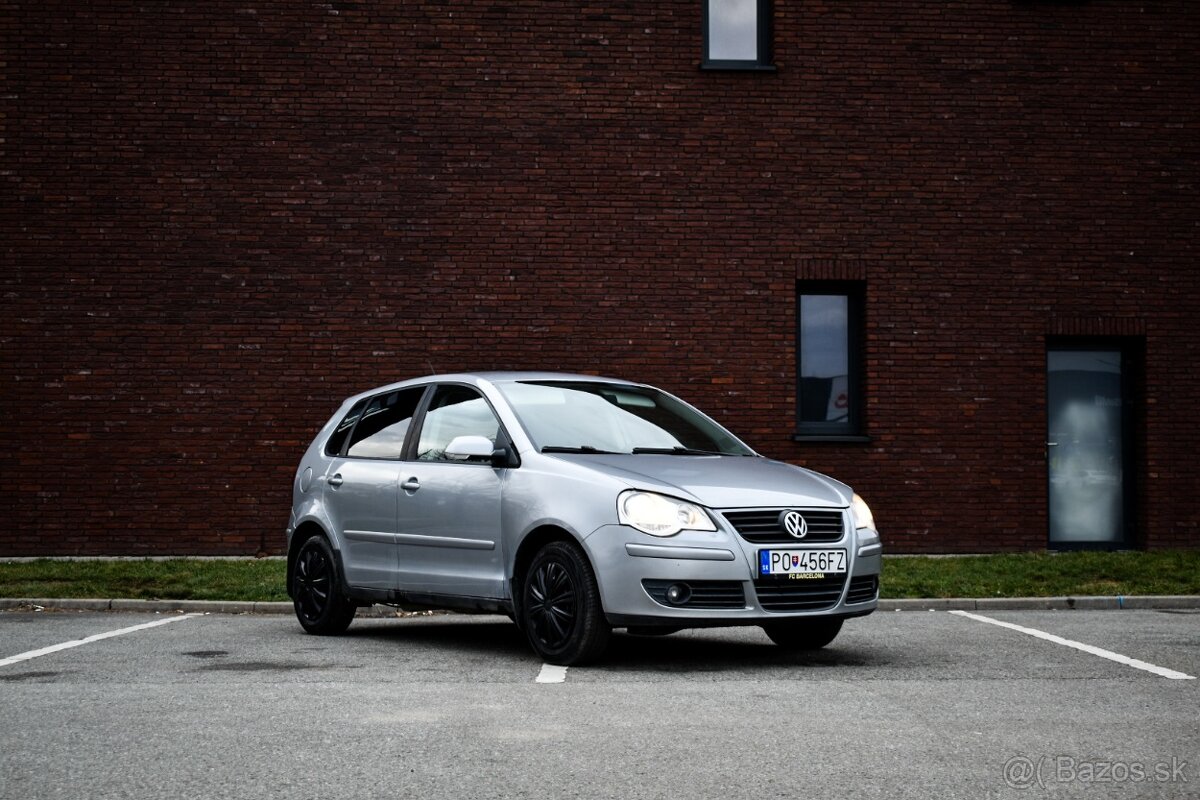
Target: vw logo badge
794, 524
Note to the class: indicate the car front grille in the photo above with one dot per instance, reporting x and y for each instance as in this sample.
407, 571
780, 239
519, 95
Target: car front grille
863, 589
702, 594
804, 595
762, 526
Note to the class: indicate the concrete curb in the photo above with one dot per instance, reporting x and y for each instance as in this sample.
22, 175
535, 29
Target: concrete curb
1087, 603
178, 606
1158, 602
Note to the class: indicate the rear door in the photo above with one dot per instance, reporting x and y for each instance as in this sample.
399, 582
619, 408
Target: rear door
448, 530
362, 484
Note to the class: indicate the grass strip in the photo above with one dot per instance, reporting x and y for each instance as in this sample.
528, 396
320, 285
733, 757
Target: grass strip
174, 579
1043, 574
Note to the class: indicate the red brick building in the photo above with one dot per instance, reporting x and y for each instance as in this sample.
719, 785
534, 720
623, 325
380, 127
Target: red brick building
908, 244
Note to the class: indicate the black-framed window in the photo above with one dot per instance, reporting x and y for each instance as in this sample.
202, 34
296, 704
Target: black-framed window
737, 34
455, 411
337, 439
829, 359
383, 428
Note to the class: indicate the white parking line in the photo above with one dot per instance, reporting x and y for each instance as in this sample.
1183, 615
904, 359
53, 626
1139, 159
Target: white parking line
1087, 648
552, 673
54, 648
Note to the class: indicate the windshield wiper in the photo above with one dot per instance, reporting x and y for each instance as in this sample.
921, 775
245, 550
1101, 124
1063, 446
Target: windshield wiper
662, 451
674, 451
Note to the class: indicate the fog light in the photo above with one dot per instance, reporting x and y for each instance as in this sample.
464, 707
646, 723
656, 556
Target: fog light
678, 594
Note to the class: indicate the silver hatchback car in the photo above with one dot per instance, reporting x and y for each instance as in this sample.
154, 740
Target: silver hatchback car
575, 505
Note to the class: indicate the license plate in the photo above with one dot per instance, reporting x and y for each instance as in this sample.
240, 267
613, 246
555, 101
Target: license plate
800, 564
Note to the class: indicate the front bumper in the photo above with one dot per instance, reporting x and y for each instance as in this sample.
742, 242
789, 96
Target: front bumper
633, 569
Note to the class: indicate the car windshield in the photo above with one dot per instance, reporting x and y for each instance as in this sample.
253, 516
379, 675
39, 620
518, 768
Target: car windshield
585, 417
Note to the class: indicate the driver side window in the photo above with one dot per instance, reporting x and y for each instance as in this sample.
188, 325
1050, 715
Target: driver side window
455, 411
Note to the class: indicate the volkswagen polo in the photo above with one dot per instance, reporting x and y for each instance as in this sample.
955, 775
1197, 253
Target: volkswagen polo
575, 505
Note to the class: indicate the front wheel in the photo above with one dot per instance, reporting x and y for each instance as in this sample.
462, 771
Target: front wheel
803, 634
320, 604
560, 606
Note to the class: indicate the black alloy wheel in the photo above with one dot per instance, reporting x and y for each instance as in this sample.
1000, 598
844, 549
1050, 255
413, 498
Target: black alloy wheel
560, 606
320, 604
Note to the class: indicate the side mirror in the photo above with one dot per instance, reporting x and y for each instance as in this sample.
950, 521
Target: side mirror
465, 448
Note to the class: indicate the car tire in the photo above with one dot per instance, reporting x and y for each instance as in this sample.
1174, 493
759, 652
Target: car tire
320, 602
561, 612
806, 634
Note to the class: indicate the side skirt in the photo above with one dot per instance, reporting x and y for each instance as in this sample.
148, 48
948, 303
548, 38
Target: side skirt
419, 601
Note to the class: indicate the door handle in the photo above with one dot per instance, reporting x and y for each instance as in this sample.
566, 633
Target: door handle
336, 480
411, 485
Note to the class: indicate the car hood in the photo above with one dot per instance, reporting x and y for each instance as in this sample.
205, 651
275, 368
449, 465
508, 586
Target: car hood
722, 481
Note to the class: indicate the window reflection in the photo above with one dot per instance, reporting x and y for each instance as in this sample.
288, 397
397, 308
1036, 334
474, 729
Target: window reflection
1085, 450
611, 419
455, 411
824, 358
733, 30
333, 447
384, 425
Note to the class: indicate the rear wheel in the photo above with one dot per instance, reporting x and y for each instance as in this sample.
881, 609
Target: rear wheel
320, 603
560, 606
803, 634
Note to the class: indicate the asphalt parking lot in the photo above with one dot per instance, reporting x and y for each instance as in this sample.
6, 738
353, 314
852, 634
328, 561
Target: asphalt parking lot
902, 704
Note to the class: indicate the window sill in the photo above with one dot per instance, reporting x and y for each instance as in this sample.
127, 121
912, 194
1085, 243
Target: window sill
736, 66
818, 438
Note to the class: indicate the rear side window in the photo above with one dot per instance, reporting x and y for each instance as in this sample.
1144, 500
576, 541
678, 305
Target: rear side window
384, 424
334, 446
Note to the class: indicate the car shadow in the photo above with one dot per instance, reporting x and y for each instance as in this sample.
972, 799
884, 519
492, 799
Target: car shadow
495, 636
704, 652
696, 652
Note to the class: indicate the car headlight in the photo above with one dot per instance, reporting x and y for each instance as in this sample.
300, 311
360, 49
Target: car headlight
659, 515
861, 513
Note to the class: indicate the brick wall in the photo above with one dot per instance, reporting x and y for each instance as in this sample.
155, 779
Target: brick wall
220, 218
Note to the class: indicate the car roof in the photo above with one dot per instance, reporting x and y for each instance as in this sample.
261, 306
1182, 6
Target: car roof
492, 376
501, 376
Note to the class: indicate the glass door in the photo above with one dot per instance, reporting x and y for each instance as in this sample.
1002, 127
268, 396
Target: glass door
1086, 447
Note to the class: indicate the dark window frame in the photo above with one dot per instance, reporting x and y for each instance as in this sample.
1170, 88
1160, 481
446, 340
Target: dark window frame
766, 34
415, 431
349, 441
356, 410
854, 429
1133, 394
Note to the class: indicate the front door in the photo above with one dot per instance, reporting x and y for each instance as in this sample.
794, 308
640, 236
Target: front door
1086, 446
448, 526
